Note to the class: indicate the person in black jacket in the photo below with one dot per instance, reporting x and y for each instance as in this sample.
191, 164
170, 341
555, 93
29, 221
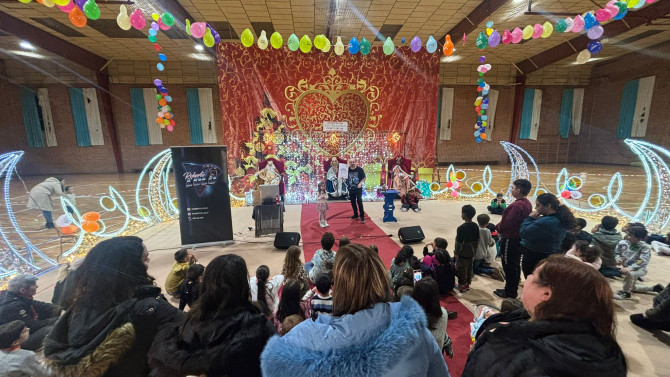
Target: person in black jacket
658, 317
223, 335
190, 288
116, 313
16, 303
570, 331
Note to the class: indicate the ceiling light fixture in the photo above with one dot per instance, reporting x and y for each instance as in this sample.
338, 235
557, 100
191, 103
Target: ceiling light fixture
27, 54
26, 45
449, 59
199, 47
203, 57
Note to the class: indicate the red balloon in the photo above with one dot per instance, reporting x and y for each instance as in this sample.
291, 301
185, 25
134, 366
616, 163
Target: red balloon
565, 194
449, 184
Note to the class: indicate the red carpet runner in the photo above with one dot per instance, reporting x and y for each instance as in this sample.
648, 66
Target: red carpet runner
370, 233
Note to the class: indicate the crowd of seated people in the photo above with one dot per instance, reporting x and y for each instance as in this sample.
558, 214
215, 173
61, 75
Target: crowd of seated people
344, 312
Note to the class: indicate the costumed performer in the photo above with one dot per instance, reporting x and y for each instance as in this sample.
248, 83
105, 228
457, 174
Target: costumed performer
269, 175
335, 185
401, 181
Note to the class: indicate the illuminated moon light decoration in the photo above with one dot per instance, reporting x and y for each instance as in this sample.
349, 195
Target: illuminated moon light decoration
520, 169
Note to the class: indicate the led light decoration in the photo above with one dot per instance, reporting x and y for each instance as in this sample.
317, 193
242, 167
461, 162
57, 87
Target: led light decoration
478, 187
520, 169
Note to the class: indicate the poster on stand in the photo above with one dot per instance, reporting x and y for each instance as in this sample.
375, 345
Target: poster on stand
201, 180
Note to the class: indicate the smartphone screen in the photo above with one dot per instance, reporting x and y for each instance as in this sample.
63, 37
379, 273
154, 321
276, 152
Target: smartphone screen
417, 275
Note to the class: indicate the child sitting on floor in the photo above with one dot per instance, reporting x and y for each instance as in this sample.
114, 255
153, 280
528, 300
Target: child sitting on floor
633, 254
498, 205
580, 233
607, 237
411, 200
320, 298
586, 253
15, 361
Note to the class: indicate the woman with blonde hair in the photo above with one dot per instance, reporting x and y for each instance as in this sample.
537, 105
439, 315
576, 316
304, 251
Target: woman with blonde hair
373, 336
293, 268
571, 330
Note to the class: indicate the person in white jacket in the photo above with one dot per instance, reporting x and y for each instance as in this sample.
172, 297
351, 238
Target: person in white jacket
39, 197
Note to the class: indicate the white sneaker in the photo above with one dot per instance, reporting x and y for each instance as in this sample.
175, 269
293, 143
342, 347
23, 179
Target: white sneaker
326, 225
322, 225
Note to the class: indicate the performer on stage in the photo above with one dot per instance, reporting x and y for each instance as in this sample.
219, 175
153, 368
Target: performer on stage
401, 181
335, 186
269, 175
355, 184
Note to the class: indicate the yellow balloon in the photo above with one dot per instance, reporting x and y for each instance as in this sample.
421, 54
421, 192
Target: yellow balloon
62, 3
49, 3
583, 56
25, 1
489, 31
326, 46
632, 3
247, 38
276, 40
339, 46
548, 29
305, 44
527, 32
208, 38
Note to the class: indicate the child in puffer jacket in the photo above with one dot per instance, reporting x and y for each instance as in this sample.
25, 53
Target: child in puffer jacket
633, 254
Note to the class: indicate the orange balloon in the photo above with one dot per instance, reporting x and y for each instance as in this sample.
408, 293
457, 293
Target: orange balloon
70, 229
482, 136
90, 226
77, 17
448, 48
159, 120
162, 102
91, 216
168, 116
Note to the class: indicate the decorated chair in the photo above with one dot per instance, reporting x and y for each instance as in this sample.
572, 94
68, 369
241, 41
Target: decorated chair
332, 182
279, 165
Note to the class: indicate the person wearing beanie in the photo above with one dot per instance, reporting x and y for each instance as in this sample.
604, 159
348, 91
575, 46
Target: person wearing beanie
15, 361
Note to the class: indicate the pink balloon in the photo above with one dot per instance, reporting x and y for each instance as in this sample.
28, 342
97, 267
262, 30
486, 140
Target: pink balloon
170, 128
517, 35
603, 15
161, 25
484, 70
454, 194
579, 24
506, 37
537, 31
66, 8
651, 1
571, 24
198, 29
614, 10
137, 19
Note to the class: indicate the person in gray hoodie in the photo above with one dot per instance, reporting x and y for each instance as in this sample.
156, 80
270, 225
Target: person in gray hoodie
606, 236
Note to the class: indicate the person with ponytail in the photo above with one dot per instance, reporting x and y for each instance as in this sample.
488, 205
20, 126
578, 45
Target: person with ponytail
264, 290
543, 231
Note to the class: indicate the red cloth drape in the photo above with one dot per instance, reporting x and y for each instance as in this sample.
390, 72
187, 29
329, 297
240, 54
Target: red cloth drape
274, 102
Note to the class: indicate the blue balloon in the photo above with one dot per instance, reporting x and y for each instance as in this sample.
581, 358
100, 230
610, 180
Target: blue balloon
485, 92
477, 133
354, 46
594, 47
162, 57
485, 101
482, 84
168, 98
479, 123
478, 139
152, 32
160, 66
484, 117
402, 40
589, 21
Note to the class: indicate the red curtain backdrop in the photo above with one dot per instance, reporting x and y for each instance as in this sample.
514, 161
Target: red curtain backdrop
274, 103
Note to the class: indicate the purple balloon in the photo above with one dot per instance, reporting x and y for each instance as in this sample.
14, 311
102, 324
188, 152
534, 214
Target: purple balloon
494, 38
415, 45
215, 34
158, 82
80, 3
595, 32
155, 26
482, 59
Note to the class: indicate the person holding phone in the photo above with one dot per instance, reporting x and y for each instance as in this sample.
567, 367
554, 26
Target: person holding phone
355, 183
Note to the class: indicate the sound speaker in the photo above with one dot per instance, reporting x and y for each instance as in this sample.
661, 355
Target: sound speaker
285, 239
411, 234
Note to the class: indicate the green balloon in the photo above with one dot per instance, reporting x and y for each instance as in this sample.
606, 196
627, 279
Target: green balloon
365, 46
482, 41
91, 10
158, 97
276, 40
622, 6
152, 39
305, 44
293, 42
561, 26
167, 19
389, 47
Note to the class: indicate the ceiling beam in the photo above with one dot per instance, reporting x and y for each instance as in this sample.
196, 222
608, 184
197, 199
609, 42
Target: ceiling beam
557, 53
482, 12
50, 42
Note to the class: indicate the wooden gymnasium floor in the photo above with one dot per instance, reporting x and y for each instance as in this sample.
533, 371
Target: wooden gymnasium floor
646, 352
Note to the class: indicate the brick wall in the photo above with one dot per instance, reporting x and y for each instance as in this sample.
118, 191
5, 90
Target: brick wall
603, 99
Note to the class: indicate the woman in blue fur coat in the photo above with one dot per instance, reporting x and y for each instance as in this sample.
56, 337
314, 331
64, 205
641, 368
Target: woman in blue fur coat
366, 336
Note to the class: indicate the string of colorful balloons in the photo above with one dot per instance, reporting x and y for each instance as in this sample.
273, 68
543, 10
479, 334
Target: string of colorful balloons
589, 22
322, 43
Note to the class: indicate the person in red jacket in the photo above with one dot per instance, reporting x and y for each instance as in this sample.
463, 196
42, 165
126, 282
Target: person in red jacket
411, 200
510, 239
